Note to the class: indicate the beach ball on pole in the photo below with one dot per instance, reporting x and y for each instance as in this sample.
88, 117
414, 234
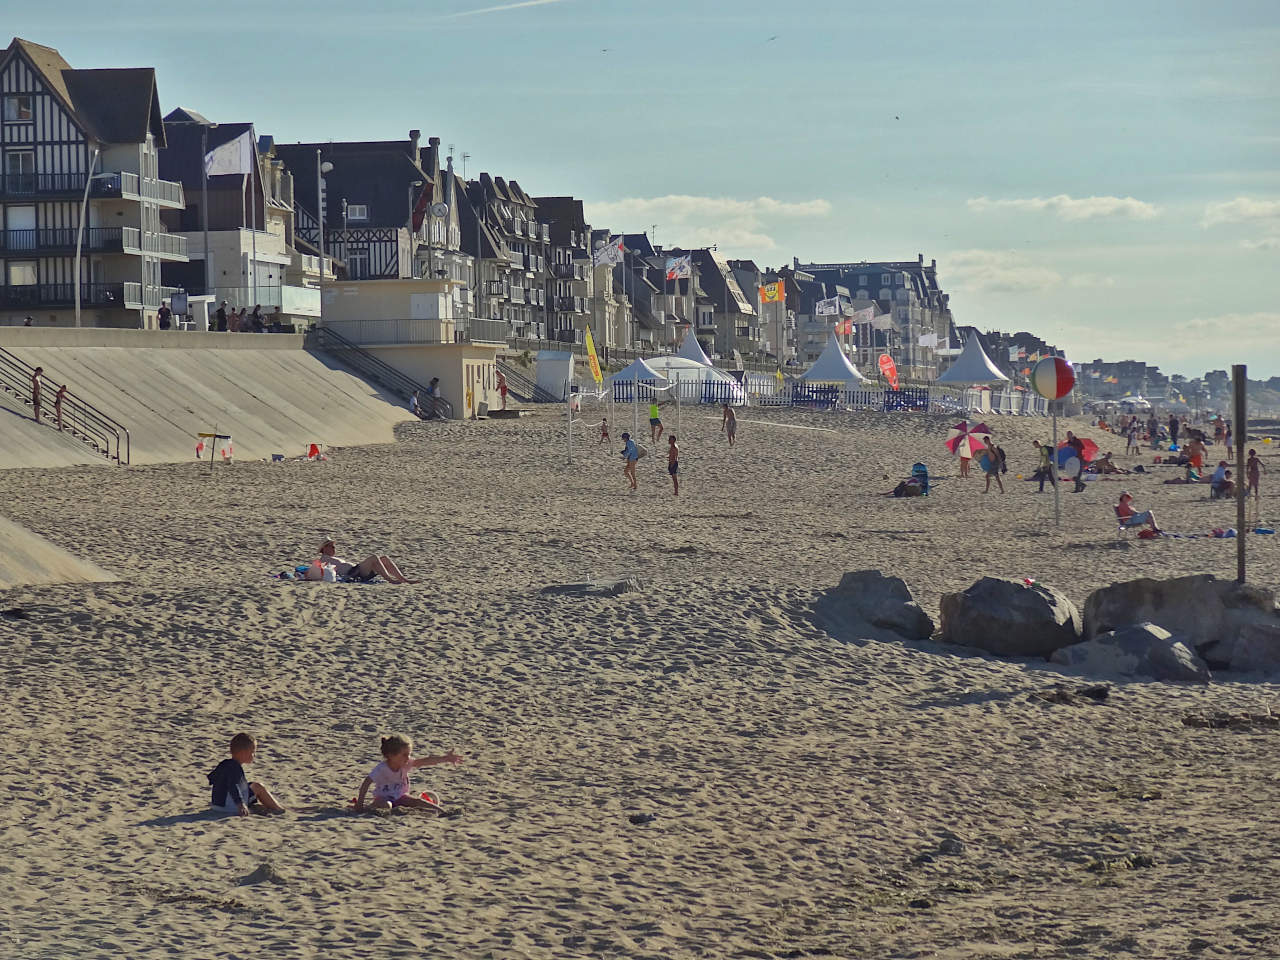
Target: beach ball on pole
1053, 379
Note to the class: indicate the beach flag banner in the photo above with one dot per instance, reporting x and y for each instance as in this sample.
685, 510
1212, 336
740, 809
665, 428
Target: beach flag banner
610, 253
890, 370
773, 292
592, 359
828, 308
233, 157
844, 327
680, 268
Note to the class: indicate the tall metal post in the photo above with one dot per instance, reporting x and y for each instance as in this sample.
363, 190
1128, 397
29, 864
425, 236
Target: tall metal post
1240, 382
1053, 464
320, 212
204, 206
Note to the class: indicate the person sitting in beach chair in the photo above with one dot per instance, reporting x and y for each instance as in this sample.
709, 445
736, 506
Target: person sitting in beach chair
921, 473
1128, 518
1220, 484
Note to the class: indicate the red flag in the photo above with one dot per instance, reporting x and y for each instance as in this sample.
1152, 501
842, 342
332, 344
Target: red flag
420, 208
890, 370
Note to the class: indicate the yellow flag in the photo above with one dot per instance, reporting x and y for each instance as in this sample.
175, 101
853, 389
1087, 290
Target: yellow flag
779, 375
772, 293
592, 359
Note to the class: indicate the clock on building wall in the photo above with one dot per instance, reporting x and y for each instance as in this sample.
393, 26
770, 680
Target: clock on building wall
439, 209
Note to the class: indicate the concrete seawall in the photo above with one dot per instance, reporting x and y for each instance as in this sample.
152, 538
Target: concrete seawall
265, 390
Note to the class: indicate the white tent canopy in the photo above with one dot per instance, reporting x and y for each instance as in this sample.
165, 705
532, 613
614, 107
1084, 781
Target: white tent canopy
691, 376
638, 370
973, 366
691, 349
832, 366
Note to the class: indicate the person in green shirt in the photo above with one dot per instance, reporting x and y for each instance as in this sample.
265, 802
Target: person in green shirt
1043, 470
655, 423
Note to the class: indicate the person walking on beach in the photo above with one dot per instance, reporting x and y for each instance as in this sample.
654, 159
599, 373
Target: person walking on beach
729, 423
655, 423
673, 463
1077, 447
1044, 471
604, 430
1131, 437
502, 389
1173, 429
994, 465
1230, 442
415, 405
57, 404
1253, 470
221, 316
630, 454
1196, 452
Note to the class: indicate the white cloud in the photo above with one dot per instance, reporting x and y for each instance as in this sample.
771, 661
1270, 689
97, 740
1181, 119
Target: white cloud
694, 221
1240, 210
1242, 332
1091, 280
1071, 208
1262, 243
997, 271
502, 7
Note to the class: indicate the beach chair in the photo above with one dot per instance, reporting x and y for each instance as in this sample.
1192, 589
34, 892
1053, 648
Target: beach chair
920, 472
1123, 529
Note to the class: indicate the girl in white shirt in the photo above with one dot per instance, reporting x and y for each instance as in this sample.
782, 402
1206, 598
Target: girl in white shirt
390, 779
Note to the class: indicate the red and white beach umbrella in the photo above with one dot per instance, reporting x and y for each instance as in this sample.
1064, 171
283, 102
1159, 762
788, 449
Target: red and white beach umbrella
966, 438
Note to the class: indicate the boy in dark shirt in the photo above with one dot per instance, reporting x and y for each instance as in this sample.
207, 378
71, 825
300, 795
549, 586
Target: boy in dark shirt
231, 792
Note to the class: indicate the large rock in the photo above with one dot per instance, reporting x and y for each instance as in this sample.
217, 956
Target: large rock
1010, 619
1256, 649
1206, 612
1144, 650
867, 598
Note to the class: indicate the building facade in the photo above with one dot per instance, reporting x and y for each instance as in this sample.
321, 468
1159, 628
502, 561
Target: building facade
80, 171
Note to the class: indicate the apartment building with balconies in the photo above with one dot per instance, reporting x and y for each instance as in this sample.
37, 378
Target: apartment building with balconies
570, 277
79, 171
502, 228
909, 293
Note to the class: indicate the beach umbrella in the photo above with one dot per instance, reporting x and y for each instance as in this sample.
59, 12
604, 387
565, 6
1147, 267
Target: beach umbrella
966, 438
1089, 451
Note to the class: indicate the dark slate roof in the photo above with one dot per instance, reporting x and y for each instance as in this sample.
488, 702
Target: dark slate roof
638, 243
564, 214
184, 115
114, 106
376, 173
119, 105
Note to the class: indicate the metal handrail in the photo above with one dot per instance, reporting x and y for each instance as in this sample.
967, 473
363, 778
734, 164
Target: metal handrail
81, 419
523, 388
376, 369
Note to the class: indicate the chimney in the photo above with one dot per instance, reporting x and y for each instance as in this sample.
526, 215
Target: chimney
920, 259
933, 264
432, 166
415, 136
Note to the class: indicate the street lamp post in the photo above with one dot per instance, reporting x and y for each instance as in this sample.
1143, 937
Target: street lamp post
321, 170
89, 177
413, 234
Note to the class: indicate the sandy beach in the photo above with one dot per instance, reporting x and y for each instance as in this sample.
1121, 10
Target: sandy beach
811, 797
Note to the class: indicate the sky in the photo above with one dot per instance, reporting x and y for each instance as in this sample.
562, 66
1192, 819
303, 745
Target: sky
1104, 175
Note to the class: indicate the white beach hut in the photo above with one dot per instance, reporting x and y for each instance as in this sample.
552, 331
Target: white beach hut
832, 366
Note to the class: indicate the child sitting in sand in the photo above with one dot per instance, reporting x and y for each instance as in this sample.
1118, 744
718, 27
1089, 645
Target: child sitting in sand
231, 792
390, 779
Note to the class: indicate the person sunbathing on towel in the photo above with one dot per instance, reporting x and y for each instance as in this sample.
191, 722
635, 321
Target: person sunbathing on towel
1130, 517
374, 565
1104, 465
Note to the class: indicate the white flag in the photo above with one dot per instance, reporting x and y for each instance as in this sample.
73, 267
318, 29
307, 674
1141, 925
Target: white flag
828, 308
884, 322
234, 156
860, 316
929, 340
610, 253
679, 268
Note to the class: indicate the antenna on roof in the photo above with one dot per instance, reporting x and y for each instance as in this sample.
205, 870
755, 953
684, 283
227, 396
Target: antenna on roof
465, 158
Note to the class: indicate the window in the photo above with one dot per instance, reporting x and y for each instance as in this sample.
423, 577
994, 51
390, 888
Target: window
358, 264
357, 211
20, 171
22, 273
862, 281
19, 109
885, 279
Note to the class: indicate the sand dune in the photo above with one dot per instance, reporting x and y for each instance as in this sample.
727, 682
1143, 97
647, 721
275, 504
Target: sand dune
811, 797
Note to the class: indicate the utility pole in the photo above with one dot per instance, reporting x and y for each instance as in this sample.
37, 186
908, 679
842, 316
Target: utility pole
1240, 382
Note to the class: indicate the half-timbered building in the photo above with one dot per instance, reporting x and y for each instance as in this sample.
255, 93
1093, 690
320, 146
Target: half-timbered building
79, 172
